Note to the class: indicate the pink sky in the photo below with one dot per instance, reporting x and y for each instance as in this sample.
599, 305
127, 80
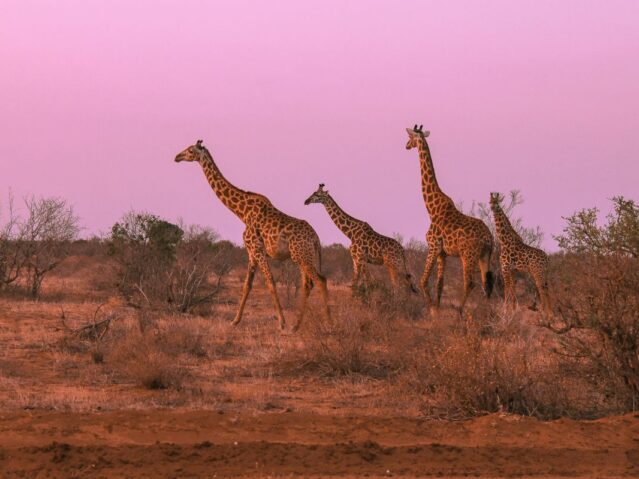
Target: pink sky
97, 97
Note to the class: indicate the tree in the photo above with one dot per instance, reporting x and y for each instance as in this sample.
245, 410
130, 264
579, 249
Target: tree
11, 253
46, 234
620, 235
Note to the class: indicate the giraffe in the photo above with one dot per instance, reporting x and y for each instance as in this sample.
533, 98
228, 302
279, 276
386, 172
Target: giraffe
367, 245
515, 255
268, 232
451, 233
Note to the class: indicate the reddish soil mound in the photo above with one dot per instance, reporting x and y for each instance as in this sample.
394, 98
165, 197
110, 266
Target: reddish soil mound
184, 444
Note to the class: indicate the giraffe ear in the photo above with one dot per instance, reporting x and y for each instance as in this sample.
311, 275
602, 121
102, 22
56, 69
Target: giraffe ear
410, 132
426, 133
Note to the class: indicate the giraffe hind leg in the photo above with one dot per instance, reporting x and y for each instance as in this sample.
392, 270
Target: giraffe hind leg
468, 266
441, 265
433, 252
248, 285
307, 286
270, 283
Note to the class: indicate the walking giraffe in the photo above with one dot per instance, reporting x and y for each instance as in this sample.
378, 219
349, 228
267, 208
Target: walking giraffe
515, 255
451, 232
368, 246
269, 232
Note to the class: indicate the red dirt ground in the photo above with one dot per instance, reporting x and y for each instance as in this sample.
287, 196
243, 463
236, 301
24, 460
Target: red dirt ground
198, 444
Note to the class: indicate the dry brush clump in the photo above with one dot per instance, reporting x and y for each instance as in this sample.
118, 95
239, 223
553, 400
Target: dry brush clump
354, 341
597, 323
34, 242
151, 350
487, 364
154, 350
168, 266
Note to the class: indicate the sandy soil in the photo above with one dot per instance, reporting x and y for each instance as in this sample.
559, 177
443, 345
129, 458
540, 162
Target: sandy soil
170, 443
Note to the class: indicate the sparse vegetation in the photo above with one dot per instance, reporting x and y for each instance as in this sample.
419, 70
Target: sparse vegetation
580, 363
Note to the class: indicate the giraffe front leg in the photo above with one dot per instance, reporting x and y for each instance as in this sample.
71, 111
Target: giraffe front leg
248, 285
542, 290
307, 286
392, 273
270, 283
357, 275
510, 296
468, 267
433, 253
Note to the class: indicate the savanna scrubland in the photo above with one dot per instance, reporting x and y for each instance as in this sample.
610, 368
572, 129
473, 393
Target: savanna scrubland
117, 359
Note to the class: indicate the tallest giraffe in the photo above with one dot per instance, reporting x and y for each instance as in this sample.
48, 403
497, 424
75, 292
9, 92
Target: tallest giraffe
451, 232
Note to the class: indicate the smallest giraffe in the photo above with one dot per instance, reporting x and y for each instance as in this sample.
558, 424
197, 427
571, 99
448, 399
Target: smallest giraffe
368, 246
515, 255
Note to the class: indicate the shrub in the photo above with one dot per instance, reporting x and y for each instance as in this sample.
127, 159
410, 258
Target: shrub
597, 324
163, 265
37, 244
354, 341
487, 366
150, 357
337, 263
620, 235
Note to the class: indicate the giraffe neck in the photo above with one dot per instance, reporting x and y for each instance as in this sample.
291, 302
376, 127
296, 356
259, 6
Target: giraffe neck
433, 195
346, 223
235, 199
505, 231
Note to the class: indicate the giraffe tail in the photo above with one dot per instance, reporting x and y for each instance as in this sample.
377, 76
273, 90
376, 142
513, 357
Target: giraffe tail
409, 278
490, 283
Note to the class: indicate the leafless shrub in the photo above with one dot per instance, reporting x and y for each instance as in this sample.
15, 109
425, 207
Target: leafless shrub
597, 322
47, 232
337, 263
287, 274
12, 257
38, 243
415, 252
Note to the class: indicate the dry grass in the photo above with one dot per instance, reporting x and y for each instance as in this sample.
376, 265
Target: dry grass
379, 354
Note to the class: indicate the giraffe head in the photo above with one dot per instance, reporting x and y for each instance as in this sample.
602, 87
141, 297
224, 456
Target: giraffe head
319, 196
415, 135
495, 200
192, 153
